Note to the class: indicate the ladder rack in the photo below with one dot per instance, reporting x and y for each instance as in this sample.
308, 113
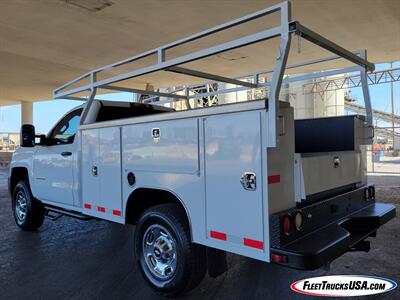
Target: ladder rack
283, 31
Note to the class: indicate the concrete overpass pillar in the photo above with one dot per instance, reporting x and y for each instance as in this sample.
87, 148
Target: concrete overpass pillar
26, 112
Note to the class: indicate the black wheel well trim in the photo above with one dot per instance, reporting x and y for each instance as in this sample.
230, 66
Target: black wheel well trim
158, 190
17, 173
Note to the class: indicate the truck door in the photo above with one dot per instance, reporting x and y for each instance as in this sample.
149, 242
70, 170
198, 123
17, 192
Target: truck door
53, 163
234, 209
101, 173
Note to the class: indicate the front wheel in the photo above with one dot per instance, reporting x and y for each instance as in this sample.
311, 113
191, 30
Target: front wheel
170, 263
28, 212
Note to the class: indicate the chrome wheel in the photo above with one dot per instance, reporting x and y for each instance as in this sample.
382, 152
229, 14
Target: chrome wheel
159, 250
20, 206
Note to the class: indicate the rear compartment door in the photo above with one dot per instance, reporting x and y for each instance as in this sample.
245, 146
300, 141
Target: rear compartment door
234, 210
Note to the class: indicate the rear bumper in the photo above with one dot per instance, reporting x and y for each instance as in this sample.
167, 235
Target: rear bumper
331, 241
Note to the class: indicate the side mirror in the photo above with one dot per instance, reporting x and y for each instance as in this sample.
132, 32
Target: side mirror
43, 140
27, 135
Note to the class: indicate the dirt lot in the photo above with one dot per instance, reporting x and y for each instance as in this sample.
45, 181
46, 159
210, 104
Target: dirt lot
71, 259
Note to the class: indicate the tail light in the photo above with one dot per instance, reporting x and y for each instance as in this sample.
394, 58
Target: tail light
287, 224
298, 220
371, 192
366, 194
279, 258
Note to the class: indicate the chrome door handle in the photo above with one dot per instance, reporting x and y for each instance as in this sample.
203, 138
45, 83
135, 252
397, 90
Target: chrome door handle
67, 153
248, 181
94, 170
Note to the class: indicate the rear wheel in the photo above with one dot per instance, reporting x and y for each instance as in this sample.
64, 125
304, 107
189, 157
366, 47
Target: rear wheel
170, 263
28, 212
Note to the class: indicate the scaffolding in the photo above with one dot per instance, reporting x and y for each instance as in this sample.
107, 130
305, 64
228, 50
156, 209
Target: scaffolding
352, 81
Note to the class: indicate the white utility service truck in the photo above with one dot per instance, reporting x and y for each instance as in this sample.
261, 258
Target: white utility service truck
200, 181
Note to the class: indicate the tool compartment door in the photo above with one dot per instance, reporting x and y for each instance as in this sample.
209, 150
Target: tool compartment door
101, 173
89, 182
232, 149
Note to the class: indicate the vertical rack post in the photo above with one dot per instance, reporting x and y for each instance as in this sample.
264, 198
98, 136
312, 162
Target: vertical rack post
277, 77
367, 99
93, 91
187, 98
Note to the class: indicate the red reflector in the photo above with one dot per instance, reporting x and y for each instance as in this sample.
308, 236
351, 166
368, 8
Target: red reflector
117, 212
88, 206
101, 209
274, 179
253, 243
287, 224
218, 235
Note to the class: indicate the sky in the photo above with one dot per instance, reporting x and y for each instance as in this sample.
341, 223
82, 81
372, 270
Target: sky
47, 113
380, 94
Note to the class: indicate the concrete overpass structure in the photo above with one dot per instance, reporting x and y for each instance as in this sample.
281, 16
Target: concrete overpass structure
46, 43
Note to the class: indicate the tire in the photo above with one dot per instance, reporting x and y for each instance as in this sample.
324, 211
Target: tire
163, 231
28, 212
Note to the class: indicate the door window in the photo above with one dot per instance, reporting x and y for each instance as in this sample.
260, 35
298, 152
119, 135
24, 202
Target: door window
65, 130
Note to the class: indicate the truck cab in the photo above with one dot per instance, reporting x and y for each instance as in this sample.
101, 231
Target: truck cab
52, 165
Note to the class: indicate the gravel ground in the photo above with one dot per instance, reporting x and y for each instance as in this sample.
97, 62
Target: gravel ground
71, 259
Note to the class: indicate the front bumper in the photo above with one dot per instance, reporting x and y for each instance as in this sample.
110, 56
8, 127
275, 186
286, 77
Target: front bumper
327, 243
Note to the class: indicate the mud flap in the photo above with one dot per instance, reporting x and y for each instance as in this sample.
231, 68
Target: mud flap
216, 262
